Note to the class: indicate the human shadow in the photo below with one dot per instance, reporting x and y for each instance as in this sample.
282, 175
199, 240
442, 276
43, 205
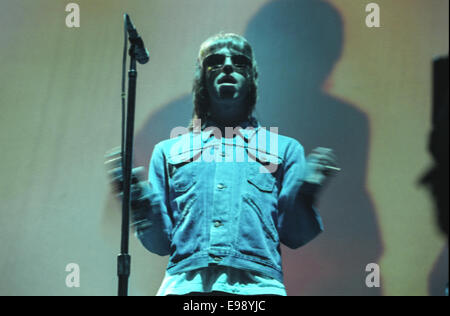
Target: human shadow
297, 43
436, 179
438, 278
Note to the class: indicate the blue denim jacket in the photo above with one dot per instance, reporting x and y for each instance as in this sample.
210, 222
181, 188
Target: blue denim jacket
228, 201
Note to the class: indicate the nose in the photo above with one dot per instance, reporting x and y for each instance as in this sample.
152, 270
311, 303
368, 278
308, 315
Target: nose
228, 65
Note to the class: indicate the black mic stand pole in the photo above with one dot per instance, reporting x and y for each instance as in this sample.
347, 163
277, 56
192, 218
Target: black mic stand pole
124, 259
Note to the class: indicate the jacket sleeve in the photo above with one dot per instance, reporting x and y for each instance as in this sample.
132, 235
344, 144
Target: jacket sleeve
150, 215
298, 221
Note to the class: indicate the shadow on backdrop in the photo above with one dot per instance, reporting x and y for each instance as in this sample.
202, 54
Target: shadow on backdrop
296, 45
438, 278
436, 179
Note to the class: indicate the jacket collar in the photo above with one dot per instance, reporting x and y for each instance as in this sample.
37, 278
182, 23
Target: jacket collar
246, 129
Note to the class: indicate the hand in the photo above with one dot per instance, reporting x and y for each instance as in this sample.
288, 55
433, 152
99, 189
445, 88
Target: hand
138, 188
113, 163
321, 165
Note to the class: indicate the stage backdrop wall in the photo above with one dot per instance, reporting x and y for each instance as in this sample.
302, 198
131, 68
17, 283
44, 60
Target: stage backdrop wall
326, 79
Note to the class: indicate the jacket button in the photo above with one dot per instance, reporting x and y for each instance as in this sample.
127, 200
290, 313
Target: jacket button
220, 186
217, 224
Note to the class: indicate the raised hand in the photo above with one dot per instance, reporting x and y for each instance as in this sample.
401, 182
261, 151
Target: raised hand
321, 165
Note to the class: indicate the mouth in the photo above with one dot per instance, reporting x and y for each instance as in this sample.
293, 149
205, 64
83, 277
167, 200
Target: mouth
227, 79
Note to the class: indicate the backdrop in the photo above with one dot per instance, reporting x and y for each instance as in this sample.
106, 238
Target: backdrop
326, 79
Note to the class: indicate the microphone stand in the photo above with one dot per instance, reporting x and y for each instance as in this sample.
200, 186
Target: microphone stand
124, 259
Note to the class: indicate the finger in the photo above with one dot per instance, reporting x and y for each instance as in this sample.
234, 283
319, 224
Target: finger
116, 179
330, 166
115, 174
314, 155
313, 158
139, 173
326, 152
113, 152
113, 162
322, 150
328, 160
321, 159
135, 192
324, 163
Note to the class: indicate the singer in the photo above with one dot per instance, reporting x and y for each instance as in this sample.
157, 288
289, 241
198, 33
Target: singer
222, 220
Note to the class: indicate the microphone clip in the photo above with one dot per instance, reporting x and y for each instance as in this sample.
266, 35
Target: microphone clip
137, 48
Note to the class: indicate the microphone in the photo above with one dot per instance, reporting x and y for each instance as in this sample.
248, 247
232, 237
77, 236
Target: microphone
141, 53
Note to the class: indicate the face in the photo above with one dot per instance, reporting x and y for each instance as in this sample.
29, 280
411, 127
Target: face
228, 79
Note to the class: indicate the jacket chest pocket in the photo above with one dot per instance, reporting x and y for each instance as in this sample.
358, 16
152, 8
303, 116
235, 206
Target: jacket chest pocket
183, 178
260, 178
264, 170
181, 170
264, 182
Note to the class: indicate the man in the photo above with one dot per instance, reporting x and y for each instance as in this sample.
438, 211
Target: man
223, 196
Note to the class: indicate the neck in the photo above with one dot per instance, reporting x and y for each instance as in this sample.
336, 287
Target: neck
229, 115
222, 124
